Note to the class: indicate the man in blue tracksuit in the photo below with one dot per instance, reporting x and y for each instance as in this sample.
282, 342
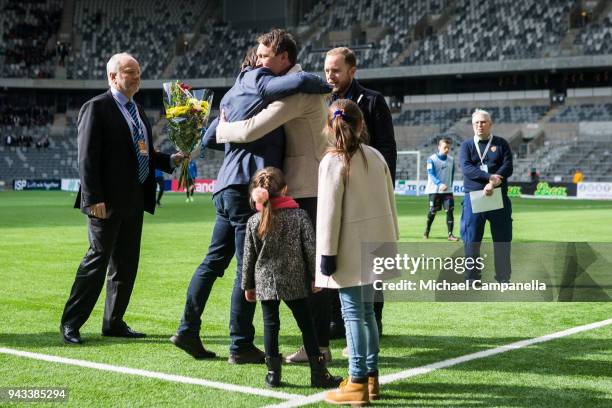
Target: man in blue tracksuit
486, 161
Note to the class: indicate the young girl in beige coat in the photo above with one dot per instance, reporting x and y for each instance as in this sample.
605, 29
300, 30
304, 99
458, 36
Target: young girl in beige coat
356, 204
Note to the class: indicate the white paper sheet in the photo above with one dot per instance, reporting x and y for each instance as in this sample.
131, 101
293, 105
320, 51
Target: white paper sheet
481, 203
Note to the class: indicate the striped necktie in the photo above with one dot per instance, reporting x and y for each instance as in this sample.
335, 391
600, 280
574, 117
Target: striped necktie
138, 136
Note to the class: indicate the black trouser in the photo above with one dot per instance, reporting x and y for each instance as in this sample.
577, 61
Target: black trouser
160, 193
301, 312
114, 243
320, 302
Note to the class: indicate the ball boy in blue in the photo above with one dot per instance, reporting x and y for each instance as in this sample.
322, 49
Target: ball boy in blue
440, 174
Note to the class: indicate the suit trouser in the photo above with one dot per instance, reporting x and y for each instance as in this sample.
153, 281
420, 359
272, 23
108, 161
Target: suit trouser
472, 231
320, 302
114, 244
233, 212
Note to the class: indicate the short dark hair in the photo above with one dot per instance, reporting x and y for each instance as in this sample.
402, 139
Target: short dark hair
347, 53
280, 41
446, 140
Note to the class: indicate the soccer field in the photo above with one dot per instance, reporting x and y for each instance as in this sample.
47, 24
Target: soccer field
42, 240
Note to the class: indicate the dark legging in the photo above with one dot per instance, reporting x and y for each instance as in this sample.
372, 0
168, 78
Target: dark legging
450, 219
301, 312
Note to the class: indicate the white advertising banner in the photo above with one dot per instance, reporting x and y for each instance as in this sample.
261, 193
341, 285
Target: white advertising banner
70, 185
409, 187
594, 191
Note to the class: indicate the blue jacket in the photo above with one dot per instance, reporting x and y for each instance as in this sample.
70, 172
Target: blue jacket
253, 90
498, 159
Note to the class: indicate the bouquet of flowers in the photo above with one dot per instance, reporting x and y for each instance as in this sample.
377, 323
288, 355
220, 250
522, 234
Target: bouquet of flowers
187, 111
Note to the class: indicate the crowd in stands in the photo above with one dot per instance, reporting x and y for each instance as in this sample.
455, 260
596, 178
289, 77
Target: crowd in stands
446, 117
396, 19
26, 28
24, 115
149, 30
181, 40
495, 30
597, 37
218, 52
588, 112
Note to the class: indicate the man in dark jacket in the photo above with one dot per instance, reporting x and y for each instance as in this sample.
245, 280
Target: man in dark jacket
486, 161
117, 163
340, 69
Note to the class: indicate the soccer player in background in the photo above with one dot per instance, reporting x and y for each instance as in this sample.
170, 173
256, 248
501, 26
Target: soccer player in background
440, 173
193, 174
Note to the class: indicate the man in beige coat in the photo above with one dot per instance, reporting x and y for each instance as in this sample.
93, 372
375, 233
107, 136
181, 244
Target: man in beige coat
303, 118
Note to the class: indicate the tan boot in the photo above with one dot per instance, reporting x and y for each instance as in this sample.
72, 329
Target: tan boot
349, 393
373, 387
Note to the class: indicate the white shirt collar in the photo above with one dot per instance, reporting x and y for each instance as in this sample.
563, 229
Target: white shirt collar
121, 98
476, 138
295, 68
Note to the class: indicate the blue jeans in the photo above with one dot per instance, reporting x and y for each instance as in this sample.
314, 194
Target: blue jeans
233, 212
361, 329
472, 231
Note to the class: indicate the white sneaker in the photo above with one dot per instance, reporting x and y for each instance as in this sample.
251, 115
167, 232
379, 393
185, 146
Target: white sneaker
300, 355
191, 199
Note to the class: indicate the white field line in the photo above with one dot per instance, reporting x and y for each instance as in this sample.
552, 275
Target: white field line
402, 375
152, 374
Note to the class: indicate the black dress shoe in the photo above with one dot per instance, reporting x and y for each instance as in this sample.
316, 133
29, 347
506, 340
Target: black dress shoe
123, 332
192, 345
70, 335
254, 356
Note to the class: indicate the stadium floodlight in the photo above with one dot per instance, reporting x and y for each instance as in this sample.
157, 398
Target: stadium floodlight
417, 153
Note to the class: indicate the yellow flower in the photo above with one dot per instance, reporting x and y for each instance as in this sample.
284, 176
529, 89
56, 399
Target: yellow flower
199, 105
176, 111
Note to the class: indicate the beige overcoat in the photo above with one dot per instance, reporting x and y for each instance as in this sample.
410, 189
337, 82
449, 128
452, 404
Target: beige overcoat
360, 208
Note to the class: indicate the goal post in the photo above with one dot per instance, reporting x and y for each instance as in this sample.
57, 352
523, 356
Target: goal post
416, 153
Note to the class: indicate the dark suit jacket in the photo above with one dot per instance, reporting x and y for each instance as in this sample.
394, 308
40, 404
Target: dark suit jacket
107, 160
378, 120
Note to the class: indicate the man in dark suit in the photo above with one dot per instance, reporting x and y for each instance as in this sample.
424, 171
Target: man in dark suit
116, 166
340, 68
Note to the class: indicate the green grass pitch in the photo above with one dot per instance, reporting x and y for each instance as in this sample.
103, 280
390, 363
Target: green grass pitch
42, 240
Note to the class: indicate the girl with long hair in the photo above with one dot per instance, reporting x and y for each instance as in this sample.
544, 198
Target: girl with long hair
279, 256
356, 204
